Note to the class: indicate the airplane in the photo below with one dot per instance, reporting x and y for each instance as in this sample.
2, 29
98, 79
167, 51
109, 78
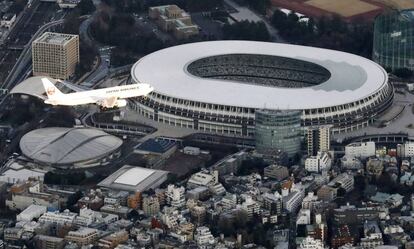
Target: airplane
111, 97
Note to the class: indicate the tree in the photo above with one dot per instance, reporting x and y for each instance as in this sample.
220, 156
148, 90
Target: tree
245, 30
17, 6
87, 54
259, 5
403, 73
332, 33
226, 226
341, 192
71, 23
74, 198
86, 7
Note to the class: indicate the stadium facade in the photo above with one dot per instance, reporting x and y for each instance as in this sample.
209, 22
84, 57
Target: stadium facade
278, 130
216, 87
394, 39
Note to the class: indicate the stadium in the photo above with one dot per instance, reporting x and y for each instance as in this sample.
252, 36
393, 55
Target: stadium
70, 148
215, 87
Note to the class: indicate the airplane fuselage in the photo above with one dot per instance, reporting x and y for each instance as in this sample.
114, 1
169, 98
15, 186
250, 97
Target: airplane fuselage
96, 96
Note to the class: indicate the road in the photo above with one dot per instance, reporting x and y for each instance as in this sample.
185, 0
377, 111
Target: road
26, 57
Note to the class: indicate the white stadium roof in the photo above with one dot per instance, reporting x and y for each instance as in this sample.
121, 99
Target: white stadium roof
57, 145
352, 77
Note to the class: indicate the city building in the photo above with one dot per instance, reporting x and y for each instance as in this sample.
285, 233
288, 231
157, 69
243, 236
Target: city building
273, 203
7, 20
351, 215
408, 149
112, 240
48, 242
327, 193
372, 235
68, 4
24, 194
31, 212
150, 205
55, 55
203, 237
360, 150
83, 236
344, 180
250, 206
175, 196
277, 172
134, 179
394, 39
292, 199
321, 162
171, 18
318, 139
311, 243
278, 131
233, 81
17, 173
203, 178
341, 237
64, 218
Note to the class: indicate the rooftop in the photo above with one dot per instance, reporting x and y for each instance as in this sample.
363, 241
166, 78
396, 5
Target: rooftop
133, 179
55, 38
58, 145
134, 176
351, 77
156, 145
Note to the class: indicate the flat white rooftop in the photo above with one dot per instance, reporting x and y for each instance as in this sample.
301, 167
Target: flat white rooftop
134, 176
352, 77
133, 179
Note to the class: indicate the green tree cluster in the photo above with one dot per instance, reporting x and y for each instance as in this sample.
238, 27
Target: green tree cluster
87, 52
17, 6
258, 5
86, 7
64, 179
403, 73
246, 30
326, 32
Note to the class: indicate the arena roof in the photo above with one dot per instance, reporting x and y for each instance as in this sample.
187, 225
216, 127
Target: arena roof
352, 77
131, 178
33, 86
58, 145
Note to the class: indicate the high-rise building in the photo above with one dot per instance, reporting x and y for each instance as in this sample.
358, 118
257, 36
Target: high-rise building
55, 55
318, 139
394, 39
278, 130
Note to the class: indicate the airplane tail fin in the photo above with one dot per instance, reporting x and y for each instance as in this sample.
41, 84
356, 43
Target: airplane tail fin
50, 89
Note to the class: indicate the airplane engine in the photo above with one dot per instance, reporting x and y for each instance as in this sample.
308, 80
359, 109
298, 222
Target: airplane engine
121, 103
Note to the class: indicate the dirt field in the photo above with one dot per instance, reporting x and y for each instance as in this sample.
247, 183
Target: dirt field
400, 4
348, 9
345, 8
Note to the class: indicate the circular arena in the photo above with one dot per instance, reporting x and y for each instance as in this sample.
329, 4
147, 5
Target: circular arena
70, 148
217, 86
